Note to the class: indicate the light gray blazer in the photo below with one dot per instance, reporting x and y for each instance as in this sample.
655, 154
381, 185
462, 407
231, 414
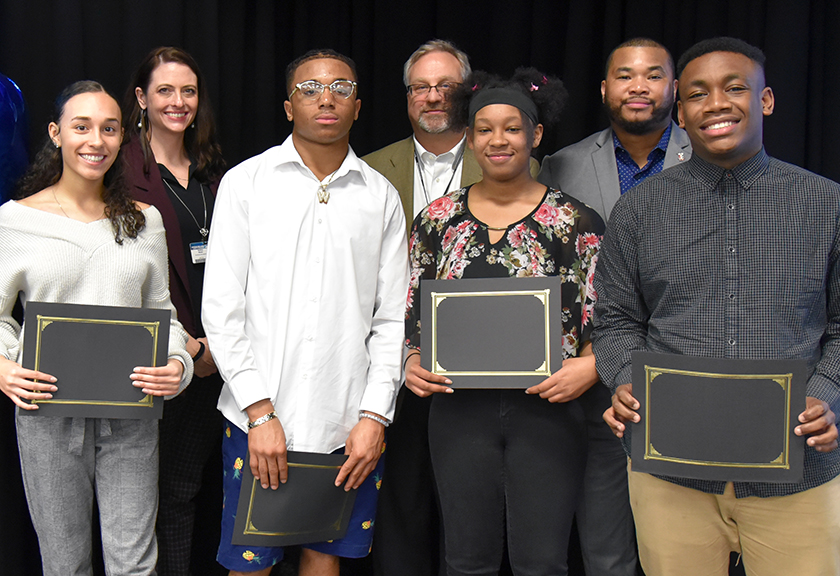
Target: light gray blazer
587, 169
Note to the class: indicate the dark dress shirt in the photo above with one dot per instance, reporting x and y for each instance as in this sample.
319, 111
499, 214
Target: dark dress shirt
194, 208
719, 263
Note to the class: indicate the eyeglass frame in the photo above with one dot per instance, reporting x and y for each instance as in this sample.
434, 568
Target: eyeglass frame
323, 86
452, 83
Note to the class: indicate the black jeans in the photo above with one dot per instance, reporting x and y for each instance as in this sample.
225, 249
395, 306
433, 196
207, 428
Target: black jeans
508, 466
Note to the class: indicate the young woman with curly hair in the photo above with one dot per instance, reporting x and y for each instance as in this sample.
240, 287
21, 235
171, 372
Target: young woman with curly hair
75, 236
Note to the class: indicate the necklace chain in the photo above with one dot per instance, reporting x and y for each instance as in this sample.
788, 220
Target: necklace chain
201, 229
59, 204
323, 193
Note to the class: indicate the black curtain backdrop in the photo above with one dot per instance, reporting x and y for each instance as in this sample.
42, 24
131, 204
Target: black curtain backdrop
243, 47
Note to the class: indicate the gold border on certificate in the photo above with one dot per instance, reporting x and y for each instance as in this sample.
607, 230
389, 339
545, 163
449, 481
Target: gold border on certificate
543, 369
252, 530
783, 380
153, 328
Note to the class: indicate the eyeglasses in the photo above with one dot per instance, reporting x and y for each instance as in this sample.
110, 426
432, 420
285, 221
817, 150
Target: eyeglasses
312, 89
443, 88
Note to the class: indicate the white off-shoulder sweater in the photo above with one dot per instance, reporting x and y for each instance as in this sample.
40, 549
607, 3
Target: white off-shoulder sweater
51, 258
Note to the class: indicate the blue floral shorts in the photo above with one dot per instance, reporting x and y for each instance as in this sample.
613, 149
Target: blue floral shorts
355, 544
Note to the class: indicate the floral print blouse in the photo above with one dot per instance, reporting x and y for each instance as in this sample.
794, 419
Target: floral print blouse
560, 237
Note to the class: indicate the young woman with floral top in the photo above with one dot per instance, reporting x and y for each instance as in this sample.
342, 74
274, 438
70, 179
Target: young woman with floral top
508, 464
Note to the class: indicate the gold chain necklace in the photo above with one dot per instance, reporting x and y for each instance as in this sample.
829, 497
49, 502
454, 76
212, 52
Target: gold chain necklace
59, 204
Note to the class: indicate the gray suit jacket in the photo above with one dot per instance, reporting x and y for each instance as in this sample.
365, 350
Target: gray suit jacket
396, 163
587, 169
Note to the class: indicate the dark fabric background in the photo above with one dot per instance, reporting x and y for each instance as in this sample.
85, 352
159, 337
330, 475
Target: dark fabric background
243, 47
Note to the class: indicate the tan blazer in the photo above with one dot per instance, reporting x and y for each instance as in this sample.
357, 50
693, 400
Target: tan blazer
396, 163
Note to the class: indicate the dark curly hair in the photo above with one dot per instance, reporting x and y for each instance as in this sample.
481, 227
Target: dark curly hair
200, 142
547, 92
48, 166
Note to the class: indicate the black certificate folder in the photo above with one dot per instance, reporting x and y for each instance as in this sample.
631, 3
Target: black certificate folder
308, 508
718, 419
92, 351
492, 332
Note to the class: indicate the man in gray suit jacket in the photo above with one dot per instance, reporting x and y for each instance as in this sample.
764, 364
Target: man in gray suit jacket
639, 106
638, 94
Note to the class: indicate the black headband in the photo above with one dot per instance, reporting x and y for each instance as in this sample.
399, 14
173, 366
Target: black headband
509, 96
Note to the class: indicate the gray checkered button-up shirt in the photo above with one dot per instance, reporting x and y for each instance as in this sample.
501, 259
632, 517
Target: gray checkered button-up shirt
719, 263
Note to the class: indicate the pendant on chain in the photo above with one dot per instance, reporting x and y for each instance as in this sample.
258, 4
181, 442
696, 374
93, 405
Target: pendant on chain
323, 193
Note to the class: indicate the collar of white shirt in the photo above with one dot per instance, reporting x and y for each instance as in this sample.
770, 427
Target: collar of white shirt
429, 159
286, 153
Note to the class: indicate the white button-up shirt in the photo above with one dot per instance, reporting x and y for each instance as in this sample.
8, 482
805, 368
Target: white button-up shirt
437, 172
304, 302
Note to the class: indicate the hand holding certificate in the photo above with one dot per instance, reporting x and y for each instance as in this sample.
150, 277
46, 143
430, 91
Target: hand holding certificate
490, 332
107, 361
308, 507
718, 419
21, 384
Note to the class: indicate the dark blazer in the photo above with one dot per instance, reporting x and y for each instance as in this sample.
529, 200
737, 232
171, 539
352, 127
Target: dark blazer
150, 189
396, 163
587, 169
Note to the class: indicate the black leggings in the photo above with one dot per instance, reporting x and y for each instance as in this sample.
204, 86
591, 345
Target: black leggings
507, 465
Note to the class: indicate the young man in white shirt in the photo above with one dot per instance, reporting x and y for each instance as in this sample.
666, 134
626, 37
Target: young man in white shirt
304, 299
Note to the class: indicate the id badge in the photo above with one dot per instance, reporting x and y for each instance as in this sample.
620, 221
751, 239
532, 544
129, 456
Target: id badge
198, 252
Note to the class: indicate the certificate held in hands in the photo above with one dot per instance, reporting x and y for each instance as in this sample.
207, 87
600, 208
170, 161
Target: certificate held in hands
718, 419
492, 332
92, 351
308, 508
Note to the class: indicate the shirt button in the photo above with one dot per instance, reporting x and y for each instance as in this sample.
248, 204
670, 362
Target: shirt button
731, 296
730, 206
729, 176
319, 220
731, 342
731, 249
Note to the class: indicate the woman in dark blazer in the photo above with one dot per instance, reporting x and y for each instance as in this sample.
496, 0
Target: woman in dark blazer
175, 163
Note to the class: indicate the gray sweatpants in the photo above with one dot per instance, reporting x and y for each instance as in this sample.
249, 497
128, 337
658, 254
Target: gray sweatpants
65, 462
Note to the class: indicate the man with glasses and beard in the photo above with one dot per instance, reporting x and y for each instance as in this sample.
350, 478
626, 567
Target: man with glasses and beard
638, 94
432, 161
423, 167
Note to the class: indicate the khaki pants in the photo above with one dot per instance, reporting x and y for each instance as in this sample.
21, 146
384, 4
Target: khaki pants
685, 532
